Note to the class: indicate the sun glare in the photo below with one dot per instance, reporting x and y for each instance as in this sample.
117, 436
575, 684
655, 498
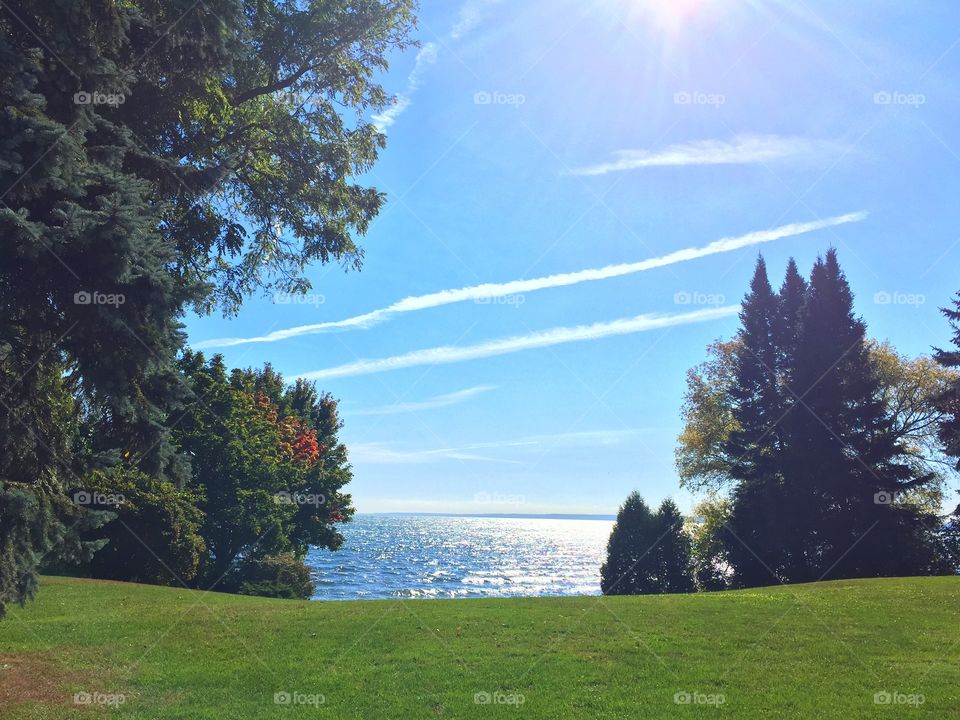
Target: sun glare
671, 15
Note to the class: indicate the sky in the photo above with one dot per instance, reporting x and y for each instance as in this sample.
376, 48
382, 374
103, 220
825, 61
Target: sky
577, 191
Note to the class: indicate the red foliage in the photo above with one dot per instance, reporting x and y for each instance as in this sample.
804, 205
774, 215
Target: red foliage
298, 443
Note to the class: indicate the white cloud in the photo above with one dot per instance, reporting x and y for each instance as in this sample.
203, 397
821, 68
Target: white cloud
742, 150
494, 290
437, 401
380, 453
471, 13
545, 338
426, 56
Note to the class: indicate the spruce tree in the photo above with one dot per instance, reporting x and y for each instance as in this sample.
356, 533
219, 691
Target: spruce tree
647, 552
631, 562
755, 542
160, 156
674, 568
949, 402
844, 455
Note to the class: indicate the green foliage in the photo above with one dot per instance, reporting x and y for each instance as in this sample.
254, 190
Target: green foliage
159, 155
154, 534
647, 552
267, 462
708, 420
805, 422
38, 426
948, 400
708, 549
277, 576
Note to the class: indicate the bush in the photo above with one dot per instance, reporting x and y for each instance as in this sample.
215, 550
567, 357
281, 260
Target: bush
277, 576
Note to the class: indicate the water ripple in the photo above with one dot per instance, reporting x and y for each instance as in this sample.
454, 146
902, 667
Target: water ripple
427, 556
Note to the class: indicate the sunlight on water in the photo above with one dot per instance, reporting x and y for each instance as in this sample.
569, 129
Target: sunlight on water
424, 556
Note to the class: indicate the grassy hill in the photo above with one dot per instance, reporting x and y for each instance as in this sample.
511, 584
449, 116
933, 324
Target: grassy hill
822, 650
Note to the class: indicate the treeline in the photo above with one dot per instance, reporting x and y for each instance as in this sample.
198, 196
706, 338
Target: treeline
148, 168
822, 454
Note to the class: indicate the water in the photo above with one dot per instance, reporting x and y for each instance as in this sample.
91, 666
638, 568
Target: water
429, 556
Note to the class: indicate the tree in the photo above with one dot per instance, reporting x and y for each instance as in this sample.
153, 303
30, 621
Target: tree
805, 453
709, 557
154, 534
647, 552
702, 457
159, 155
37, 520
673, 569
270, 481
948, 399
911, 389
844, 449
756, 521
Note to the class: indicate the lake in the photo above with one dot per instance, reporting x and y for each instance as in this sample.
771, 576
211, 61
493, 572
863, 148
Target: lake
438, 556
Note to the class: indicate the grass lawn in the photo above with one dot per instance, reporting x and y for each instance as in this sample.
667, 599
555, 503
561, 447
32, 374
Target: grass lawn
806, 651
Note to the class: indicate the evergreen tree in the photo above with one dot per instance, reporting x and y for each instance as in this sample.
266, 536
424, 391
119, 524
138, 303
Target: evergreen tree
843, 449
629, 569
674, 568
159, 155
755, 540
787, 324
647, 552
949, 401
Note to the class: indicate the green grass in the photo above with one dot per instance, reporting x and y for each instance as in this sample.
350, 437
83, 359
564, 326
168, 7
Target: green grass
805, 651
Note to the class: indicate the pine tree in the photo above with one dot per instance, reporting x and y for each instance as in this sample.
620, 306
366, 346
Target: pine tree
843, 449
630, 565
674, 567
787, 324
647, 552
755, 543
949, 402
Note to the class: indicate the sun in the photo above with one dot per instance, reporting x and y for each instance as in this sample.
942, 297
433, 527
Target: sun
671, 15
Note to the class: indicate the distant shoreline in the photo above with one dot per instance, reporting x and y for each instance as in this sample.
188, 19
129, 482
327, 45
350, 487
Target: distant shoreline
506, 516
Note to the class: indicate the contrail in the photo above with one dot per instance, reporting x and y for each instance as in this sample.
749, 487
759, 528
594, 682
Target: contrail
544, 338
743, 150
513, 287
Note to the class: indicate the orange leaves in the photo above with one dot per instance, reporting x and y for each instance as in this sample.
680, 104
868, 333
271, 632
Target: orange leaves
298, 443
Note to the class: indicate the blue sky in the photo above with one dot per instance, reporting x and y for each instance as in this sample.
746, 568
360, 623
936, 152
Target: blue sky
533, 141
